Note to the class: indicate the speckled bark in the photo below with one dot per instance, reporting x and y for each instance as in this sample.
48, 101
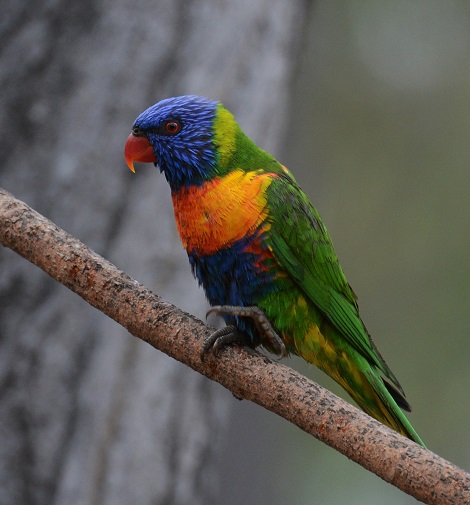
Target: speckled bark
87, 415
246, 373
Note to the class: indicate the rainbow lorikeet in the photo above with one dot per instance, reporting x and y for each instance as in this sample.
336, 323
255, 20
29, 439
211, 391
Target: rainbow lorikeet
259, 248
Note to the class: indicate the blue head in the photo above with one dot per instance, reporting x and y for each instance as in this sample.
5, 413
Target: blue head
180, 133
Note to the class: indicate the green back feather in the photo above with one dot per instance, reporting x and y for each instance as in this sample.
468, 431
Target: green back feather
315, 268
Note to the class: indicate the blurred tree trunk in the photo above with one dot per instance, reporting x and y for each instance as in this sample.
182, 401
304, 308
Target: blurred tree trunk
89, 415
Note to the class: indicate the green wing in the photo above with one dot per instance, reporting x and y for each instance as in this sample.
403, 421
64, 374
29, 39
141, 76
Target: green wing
302, 246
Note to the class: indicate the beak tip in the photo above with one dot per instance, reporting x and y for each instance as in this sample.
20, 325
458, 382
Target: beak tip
130, 164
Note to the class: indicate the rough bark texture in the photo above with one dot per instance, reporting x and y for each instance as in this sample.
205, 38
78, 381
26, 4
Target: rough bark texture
247, 374
87, 415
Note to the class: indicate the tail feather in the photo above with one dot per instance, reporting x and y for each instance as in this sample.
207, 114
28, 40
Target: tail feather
368, 389
386, 408
398, 396
324, 346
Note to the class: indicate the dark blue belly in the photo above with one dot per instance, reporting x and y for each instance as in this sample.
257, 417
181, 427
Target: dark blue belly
233, 276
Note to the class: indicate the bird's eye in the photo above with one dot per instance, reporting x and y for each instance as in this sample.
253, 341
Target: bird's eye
136, 131
172, 127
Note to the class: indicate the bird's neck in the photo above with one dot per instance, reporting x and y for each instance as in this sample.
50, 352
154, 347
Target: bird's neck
235, 150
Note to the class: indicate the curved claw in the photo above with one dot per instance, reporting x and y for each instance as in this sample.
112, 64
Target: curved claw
267, 333
221, 338
216, 340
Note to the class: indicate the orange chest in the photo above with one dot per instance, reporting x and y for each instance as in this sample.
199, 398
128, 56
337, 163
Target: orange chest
220, 212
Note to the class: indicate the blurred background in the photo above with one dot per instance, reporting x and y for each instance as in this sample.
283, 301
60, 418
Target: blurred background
368, 104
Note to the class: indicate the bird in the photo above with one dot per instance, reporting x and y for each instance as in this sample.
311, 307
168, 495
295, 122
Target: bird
259, 249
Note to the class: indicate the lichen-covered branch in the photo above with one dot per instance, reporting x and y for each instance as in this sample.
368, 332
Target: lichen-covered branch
247, 374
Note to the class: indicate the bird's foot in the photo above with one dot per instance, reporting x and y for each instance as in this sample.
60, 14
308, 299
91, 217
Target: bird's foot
230, 334
220, 338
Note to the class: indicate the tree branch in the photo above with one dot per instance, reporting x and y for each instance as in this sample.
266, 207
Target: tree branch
246, 373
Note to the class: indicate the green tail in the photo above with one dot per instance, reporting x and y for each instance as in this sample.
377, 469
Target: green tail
378, 397
384, 406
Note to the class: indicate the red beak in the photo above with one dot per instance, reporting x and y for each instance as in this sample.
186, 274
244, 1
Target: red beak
138, 149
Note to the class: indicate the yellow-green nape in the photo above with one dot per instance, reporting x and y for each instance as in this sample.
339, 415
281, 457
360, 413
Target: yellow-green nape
225, 132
